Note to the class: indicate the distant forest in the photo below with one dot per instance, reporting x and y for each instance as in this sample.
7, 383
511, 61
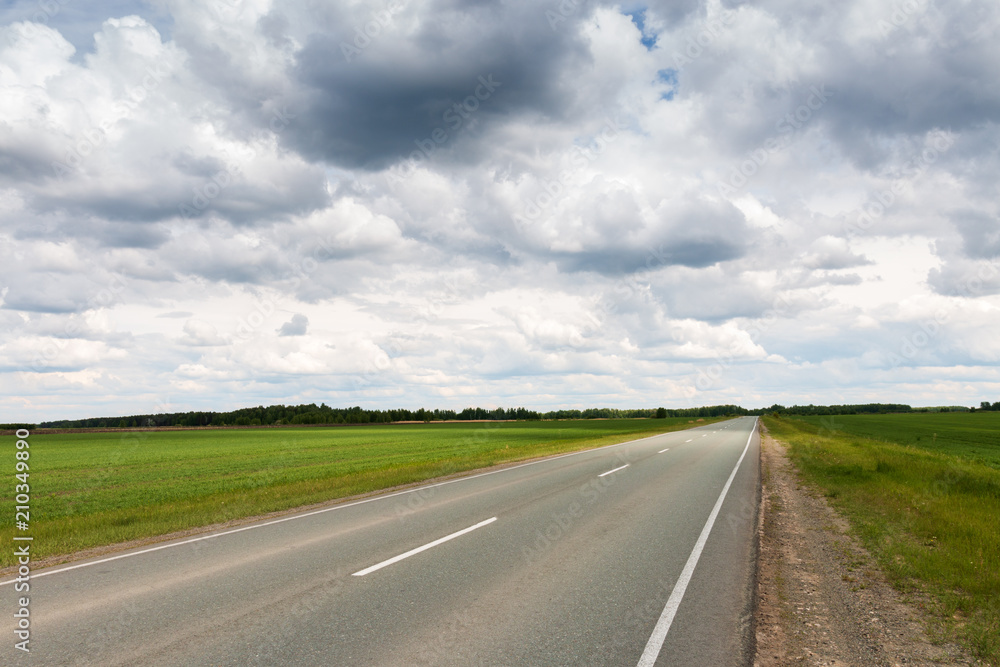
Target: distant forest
280, 415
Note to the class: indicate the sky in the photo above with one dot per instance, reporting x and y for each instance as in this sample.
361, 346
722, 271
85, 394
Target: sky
453, 203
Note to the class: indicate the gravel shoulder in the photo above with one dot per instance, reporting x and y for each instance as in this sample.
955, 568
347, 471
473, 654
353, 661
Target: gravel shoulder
821, 599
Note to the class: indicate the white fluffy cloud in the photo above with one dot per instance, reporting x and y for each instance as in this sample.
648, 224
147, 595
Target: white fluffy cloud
211, 205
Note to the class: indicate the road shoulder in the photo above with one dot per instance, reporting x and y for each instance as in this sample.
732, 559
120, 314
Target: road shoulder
821, 599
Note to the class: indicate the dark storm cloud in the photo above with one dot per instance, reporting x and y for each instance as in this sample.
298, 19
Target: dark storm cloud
831, 254
296, 326
127, 235
970, 265
24, 158
917, 80
249, 203
712, 298
91, 231
980, 234
691, 233
491, 60
110, 205
913, 69
671, 11
207, 187
694, 253
50, 293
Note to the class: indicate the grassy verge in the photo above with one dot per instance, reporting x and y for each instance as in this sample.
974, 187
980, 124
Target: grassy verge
95, 489
971, 436
929, 514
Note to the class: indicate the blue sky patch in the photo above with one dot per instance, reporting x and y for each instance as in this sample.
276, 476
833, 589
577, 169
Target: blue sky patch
638, 17
669, 77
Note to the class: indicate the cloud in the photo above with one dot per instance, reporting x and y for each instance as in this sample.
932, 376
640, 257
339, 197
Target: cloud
980, 233
427, 78
831, 253
295, 327
198, 333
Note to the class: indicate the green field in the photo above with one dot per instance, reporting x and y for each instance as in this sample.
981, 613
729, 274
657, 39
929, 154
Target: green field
93, 489
922, 491
970, 435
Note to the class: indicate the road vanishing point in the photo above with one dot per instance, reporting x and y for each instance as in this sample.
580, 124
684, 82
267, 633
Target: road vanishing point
641, 553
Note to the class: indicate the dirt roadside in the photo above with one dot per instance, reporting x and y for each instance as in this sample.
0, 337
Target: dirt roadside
821, 599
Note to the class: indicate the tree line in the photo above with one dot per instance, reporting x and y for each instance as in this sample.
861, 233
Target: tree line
861, 409
280, 415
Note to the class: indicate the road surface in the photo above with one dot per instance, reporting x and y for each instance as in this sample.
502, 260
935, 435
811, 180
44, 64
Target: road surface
641, 553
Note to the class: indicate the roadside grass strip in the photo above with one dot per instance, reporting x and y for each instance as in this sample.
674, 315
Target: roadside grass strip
929, 514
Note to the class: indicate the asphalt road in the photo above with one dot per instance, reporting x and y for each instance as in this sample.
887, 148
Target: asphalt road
634, 554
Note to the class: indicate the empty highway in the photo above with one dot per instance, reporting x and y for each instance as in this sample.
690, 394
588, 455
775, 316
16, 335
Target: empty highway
634, 554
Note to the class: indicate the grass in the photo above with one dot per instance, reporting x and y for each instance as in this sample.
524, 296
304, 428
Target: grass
971, 436
926, 507
95, 489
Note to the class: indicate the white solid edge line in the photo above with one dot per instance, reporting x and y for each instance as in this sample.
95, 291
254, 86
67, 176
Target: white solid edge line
613, 470
429, 545
663, 450
212, 536
655, 643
